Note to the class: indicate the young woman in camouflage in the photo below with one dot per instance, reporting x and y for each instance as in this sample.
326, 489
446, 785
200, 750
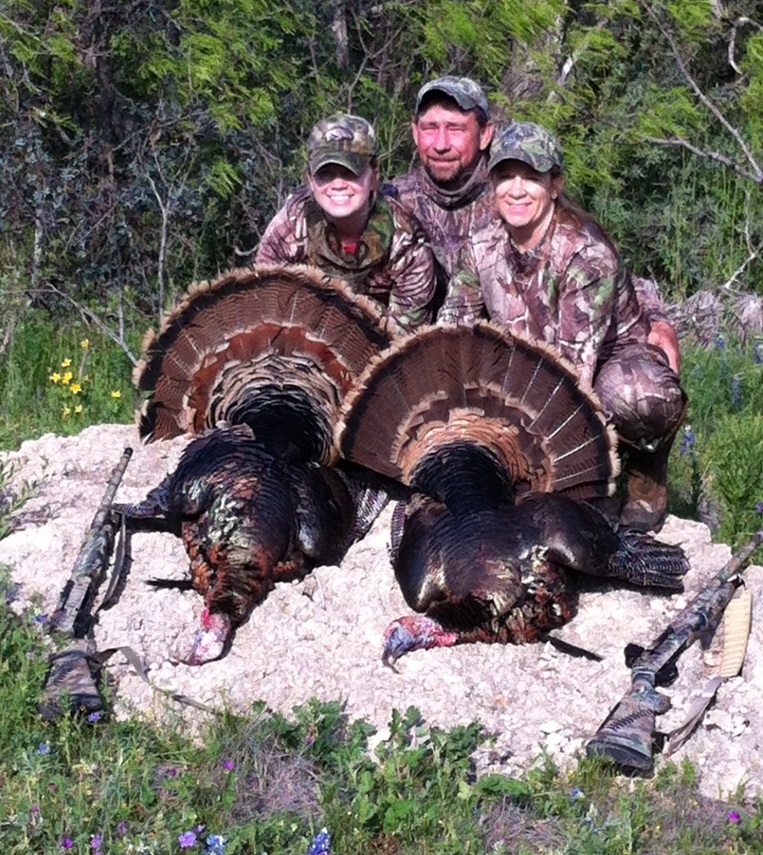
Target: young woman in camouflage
340, 224
545, 269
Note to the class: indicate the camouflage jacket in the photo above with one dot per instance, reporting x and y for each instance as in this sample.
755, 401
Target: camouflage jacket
447, 218
571, 291
392, 264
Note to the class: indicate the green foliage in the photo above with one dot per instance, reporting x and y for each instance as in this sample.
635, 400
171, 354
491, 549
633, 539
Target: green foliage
49, 382
716, 469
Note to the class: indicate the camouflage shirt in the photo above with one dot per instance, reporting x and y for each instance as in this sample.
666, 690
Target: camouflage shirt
570, 291
447, 218
392, 263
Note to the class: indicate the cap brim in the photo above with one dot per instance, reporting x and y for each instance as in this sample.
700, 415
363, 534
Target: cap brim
356, 163
463, 101
540, 164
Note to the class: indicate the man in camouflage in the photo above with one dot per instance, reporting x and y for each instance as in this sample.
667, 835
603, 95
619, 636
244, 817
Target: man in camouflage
342, 226
555, 277
448, 191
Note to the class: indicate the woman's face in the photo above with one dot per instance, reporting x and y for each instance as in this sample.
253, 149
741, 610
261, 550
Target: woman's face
524, 199
341, 193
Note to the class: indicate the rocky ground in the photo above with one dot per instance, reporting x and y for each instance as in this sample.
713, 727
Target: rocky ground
322, 638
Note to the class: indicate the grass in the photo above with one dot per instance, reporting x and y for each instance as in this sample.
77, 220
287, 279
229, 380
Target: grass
716, 467
61, 379
267, 783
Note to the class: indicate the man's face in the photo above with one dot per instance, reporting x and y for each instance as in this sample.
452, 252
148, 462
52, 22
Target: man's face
450, 142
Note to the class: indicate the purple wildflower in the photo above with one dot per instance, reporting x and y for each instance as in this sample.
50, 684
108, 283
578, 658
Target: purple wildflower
95, 841
757, 351
40, 619
228, 765
687, 441
736, 392
759, 508
321, 844
94, 717
733, 817
187, 839
215, 845
34, 809
122, 828
42, 748
720, 342
67, 843
576, 794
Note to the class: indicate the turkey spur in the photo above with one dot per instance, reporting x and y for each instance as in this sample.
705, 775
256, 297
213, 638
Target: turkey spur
255, 366
506, 455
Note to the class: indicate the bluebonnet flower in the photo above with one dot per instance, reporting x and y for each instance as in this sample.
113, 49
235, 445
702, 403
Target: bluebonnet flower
757, 351
687, 441
187, 839
736, 392
95, 844
576, 793
321, 844
93, 717
67, 843
39, 620
42, 748
720, 342
215, 845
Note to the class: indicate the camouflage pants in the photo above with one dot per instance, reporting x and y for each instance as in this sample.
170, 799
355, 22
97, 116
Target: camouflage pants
642, 395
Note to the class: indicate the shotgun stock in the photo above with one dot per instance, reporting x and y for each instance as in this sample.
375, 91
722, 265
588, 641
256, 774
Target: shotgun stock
627, 735
92, 561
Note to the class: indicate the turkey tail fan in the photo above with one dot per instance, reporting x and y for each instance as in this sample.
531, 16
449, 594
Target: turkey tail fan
273, 347
478, 385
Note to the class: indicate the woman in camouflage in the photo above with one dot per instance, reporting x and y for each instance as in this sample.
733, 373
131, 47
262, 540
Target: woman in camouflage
340, 224
545, 269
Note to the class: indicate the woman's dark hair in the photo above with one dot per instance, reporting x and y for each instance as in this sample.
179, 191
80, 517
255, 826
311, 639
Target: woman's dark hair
572, 213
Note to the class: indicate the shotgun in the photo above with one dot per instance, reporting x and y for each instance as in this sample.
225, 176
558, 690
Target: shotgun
69, 677
92, 562
627, 735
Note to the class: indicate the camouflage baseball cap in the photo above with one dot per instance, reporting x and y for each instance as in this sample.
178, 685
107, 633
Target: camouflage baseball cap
530, 143
344, 139
464, 91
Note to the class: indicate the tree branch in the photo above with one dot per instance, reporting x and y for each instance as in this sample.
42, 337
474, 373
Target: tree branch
680, 142
704, 100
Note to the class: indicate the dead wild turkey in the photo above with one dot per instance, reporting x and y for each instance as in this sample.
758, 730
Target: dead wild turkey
257, 363
504, 451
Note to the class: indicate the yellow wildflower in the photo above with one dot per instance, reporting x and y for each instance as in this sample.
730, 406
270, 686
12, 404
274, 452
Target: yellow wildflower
116, 394
66, 412
55, 377
85, 343
67, 378
66, 363
78, 409
75, 388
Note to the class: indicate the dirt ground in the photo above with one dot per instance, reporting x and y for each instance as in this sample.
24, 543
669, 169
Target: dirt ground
322, 638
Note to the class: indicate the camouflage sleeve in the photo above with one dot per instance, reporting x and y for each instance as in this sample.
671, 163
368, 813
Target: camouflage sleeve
587, 290
284, 240
412, 272
649, 298
463, 301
